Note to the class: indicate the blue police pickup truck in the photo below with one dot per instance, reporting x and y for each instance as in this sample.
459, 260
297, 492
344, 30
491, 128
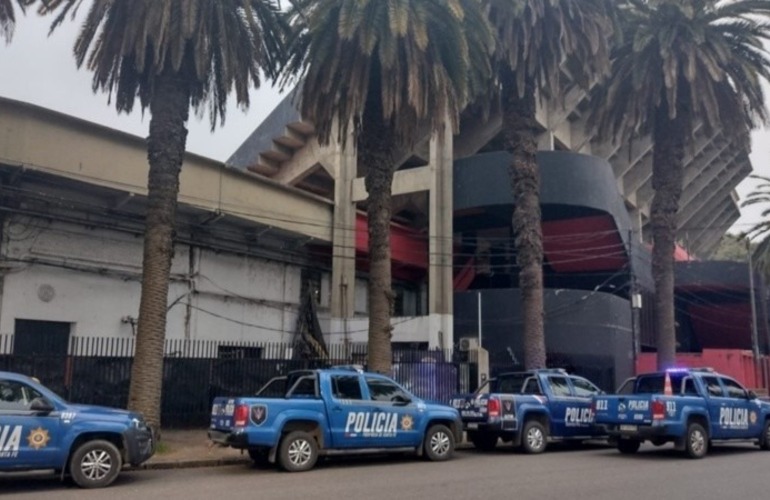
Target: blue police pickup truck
295, 419
530, 409
690, 407
39, 430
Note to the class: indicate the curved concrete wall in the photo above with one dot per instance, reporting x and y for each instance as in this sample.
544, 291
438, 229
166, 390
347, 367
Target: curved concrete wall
586, 332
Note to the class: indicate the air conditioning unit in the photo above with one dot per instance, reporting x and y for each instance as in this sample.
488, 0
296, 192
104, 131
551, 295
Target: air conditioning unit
469, 344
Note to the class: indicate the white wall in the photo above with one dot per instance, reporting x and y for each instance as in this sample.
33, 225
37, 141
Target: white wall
95, 276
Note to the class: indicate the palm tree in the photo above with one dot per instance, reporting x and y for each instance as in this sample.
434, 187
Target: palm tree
378, 69
171, 55
682, 61
8, 16
538, 41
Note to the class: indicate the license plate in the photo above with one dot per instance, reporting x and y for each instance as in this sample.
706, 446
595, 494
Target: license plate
629, 428
473, 426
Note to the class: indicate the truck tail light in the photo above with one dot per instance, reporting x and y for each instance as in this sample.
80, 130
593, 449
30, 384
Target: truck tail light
241, 415
658, 410
493, 407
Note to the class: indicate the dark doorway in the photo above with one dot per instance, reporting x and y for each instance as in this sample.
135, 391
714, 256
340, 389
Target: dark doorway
41, 338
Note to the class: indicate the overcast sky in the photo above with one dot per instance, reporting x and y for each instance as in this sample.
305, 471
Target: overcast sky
41, 70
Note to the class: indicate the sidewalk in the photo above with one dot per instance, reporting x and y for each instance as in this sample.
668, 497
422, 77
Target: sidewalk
191, 448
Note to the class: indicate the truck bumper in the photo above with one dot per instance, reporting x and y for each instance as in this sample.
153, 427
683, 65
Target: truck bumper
642, 432
139, 445
234, 439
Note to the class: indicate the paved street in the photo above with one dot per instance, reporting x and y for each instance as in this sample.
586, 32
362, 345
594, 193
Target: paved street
736, 471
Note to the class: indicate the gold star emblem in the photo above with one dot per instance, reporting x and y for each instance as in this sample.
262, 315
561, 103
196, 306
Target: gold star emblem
38, 438
407, 422
753, 417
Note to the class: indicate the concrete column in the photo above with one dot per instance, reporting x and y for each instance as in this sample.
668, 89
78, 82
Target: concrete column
441, 209
343, 164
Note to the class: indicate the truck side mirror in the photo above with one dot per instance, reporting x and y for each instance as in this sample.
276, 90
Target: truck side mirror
751, 395
41, 405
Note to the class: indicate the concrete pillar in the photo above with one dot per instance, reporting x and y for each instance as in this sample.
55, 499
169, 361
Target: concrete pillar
343, 164
440, 276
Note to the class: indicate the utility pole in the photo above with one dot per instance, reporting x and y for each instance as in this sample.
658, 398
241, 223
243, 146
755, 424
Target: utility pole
754, 334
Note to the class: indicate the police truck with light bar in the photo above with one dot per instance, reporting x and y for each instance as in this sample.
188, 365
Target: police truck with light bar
690, 407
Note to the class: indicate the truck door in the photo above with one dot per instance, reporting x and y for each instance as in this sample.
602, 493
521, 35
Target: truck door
579, 419
397, 419
559, 400
28, 439
718, 407
345, 407
743, 416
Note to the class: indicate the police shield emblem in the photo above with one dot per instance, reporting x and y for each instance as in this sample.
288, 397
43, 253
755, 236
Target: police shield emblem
258, 414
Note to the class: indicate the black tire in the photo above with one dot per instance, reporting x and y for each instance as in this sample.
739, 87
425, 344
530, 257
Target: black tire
260, 456
439, 443
534, 437
764, 439
696, 441
298, 452
95, 464
628, 446
482, 441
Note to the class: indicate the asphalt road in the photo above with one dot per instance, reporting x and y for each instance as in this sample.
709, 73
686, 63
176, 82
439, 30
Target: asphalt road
597, 473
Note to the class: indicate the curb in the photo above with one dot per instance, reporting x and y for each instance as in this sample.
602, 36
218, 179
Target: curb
191, 464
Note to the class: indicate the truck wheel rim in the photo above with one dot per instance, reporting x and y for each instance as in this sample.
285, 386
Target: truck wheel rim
697, 442
96, 464
535, 438
300, 452
439, 443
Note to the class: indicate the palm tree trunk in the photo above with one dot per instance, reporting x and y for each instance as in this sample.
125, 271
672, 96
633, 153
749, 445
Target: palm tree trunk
667, 178
165, 150
375, 153
519, 127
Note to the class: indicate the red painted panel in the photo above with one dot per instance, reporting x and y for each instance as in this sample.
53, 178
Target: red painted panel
736, 363
407, 247
583, 244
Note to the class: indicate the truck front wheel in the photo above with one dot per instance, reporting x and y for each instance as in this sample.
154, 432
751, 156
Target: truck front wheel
298, 452
533, 439
95, 464
628, 446
482, 441
764, 439
696, 441
439, 444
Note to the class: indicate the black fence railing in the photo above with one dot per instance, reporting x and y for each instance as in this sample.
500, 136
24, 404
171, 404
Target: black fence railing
98, 370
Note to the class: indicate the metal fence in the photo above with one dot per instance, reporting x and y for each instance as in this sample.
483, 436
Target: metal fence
98, 370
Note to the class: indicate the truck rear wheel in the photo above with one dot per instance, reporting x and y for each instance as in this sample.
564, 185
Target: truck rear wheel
298, 452
439, 444
764, 439
482, 441
696, 441
534, 437
95, 464
628, 446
